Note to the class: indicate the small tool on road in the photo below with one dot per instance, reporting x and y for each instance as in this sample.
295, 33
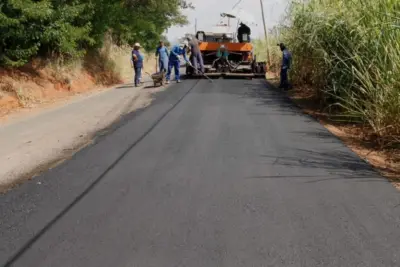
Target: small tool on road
202, 73
205, 76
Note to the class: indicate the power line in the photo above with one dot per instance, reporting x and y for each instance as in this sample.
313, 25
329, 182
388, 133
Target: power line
238, 2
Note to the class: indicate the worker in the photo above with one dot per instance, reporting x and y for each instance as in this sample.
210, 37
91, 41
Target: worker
174, 62
162, 54
222, 58
222, 52
137, 63
243, 29
196, 57
286, 62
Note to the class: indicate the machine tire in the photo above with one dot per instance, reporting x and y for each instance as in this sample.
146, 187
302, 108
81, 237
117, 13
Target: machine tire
263, 68
254, 64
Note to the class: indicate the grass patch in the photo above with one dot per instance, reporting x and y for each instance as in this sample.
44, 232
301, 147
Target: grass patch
46, 80
348, 52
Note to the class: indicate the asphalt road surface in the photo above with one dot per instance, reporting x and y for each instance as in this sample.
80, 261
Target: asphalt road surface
210, 175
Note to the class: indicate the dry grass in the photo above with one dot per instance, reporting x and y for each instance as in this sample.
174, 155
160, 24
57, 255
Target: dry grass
10, 89
121, 57
260, 50
50, 80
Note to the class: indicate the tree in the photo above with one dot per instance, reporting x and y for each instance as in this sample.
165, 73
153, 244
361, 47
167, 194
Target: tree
21, 24
70, 28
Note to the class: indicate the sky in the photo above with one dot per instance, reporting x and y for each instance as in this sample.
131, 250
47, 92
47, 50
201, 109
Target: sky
208, 12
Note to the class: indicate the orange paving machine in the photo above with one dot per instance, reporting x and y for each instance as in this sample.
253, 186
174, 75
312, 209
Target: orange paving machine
223, 56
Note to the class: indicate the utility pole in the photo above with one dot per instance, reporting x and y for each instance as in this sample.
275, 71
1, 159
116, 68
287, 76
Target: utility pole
265, 32
195, 26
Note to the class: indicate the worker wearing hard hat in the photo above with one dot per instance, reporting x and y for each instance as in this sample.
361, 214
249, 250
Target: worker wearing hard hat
137, 63
174, 62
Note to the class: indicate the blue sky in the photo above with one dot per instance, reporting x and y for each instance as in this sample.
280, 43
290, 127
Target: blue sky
207, 14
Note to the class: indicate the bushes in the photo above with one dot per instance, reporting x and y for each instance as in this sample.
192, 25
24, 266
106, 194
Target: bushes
20, 30
28, 28
260, 50
70, 28
349, 52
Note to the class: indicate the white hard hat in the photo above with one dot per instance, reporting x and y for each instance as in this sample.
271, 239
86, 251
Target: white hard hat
184, 43
136, 45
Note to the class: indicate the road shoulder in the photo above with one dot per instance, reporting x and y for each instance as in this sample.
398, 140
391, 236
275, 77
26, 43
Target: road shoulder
386, 160
37, 141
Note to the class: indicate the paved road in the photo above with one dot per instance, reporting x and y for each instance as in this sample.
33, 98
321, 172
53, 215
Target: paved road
223, 174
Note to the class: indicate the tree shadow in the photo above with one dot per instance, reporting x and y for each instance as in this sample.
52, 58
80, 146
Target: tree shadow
340, 164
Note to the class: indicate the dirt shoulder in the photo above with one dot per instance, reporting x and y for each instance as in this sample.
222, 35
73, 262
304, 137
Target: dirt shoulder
32, 144
44, 83
49, 110
357, 137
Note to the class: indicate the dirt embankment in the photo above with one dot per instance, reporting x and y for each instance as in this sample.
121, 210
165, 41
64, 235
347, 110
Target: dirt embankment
33, 86
41, 82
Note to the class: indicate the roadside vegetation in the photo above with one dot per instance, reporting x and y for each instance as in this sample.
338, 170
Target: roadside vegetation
348, 51
69, 29
260, 50
346, 71
51, 49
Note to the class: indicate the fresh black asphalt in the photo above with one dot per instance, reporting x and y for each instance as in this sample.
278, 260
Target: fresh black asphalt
217, 174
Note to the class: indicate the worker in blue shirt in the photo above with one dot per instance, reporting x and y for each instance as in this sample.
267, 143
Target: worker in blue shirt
286, 62
162, 54
174, 61
137, 63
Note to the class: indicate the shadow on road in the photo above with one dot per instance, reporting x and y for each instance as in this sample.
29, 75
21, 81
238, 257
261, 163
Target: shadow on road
261, 91
329, 155
339, 165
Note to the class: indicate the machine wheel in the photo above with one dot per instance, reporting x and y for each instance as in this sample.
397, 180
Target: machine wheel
254, 64
263, 68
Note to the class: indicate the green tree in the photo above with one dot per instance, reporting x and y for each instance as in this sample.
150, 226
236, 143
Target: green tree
21, 29
69, 28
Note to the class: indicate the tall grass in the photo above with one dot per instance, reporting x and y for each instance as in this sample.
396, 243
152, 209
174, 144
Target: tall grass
111, 64
260, 50
349, 52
